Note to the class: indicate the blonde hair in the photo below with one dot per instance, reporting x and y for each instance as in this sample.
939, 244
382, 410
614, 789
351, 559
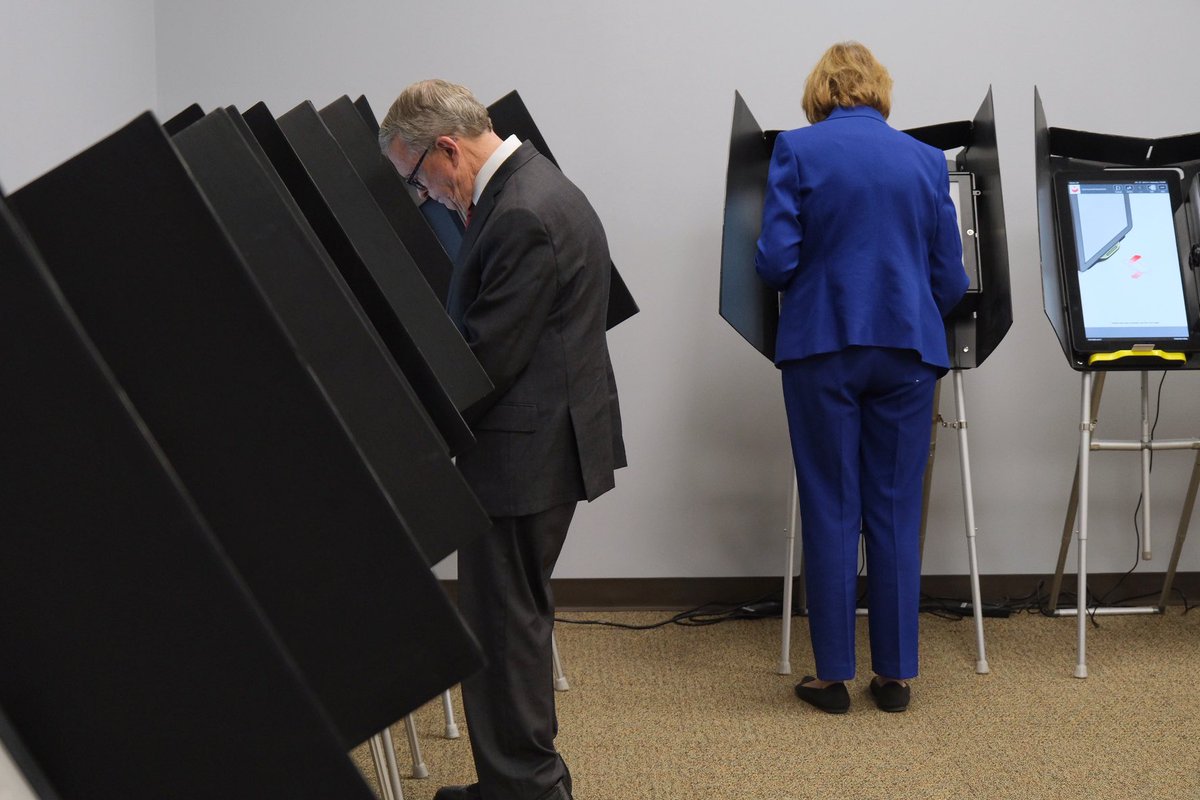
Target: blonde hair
429, 109
847, 75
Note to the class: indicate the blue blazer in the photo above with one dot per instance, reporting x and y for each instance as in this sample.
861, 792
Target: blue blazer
859, 234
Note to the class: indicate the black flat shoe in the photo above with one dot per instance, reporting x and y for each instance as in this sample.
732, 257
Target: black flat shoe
833, 699
891, 696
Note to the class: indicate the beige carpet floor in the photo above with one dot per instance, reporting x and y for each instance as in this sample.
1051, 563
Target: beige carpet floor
681, 713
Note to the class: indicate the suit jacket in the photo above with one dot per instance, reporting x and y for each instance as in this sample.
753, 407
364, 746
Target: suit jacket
530, 294
860, 234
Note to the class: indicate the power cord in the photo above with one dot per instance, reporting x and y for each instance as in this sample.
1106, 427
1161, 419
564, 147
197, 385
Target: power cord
769, 606
700, 616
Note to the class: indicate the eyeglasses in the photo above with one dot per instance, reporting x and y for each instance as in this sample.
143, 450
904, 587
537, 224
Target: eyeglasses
412, 180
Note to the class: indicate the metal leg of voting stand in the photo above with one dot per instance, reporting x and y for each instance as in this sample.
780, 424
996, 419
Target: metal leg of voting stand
384, 753
448, 710
560, 677
959, 424
1185, 519
414, 747
964, 460
1073, 502
1086, 426
386, 771
1077, 507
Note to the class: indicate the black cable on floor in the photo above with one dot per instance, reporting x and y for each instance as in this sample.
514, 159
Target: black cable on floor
701, 615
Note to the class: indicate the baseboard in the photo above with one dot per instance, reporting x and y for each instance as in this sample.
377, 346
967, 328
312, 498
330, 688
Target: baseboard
634, 594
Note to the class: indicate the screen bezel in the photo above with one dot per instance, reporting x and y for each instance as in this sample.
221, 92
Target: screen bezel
964, 184
1070, 267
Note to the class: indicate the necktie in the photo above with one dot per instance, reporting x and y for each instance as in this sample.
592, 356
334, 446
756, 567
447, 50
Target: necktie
470, 213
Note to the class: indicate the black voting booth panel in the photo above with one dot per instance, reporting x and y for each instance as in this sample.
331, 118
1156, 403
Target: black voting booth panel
510, 117
1063, 150
367, 113
976, 326
188, 334
446, 228
410, 320
136, 664
1052, 294
191, 114
746, 303
361, 148
394, 276
332, 334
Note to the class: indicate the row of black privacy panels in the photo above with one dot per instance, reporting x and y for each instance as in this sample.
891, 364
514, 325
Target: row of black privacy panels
232, 399
1136, 311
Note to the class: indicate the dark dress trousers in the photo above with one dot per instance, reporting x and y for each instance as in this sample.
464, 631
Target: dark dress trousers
530, 294
860, 236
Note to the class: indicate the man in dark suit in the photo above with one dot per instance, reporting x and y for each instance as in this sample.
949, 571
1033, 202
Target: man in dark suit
530, 295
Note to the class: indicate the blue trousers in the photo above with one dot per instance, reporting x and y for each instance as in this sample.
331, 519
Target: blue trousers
859, 422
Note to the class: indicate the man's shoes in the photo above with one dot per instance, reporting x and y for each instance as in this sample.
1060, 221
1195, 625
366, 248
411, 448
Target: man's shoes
890, 696
470, 792
833, 699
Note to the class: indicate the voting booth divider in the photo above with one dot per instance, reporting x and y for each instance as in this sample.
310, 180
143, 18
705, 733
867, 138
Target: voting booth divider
973, 330
446, 228
139, 663
375, 266
361, 147
1119, 237
232, 487
377, 403
193, 113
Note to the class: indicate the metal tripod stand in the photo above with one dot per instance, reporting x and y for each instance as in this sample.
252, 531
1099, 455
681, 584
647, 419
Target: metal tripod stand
1077, 506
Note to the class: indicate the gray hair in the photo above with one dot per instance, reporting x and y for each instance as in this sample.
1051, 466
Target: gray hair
429, 109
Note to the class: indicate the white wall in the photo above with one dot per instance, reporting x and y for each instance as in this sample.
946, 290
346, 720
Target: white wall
635, 98
70, 73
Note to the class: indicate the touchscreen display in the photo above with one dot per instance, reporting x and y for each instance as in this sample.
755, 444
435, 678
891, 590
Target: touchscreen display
1128, 259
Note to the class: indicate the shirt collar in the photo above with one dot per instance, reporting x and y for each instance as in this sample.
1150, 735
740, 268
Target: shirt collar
501, 154
856, 111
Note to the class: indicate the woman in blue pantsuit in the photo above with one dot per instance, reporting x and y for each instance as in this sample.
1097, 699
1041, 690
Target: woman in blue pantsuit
861, 238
